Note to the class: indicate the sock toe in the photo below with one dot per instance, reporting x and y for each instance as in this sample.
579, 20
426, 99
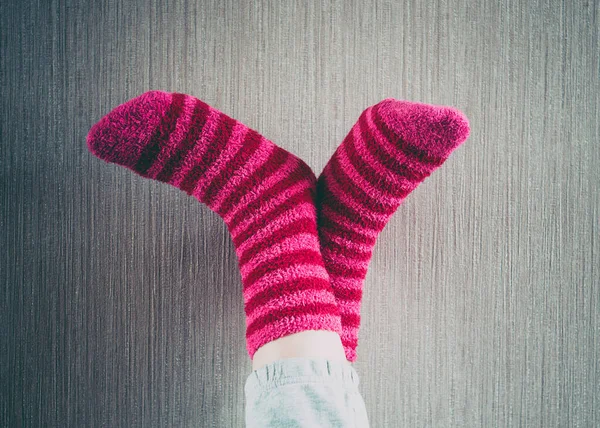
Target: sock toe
121, 135
436, 129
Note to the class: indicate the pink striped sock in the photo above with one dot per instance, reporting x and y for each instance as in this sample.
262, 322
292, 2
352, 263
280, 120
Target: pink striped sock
392, 148
264, 194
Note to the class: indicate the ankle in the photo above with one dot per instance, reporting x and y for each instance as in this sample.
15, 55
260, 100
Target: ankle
305, 344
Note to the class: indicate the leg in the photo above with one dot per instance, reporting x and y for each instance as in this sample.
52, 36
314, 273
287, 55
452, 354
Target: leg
392, 148
265, 195
305, 344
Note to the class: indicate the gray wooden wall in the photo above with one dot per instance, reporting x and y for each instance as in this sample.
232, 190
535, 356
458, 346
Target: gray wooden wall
120, 297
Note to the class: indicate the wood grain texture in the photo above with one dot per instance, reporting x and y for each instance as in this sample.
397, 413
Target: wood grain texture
121, 303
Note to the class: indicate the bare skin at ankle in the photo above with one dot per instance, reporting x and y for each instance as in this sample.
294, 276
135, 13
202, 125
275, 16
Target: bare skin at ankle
306, 344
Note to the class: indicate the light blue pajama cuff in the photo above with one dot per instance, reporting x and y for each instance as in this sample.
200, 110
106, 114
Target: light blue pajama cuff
304, 392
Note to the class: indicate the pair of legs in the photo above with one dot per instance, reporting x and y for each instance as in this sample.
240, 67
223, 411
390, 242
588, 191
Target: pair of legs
303, 244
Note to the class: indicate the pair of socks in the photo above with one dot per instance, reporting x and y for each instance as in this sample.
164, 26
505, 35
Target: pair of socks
303, 244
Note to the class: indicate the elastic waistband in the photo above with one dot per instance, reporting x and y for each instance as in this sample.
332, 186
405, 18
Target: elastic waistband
301, 370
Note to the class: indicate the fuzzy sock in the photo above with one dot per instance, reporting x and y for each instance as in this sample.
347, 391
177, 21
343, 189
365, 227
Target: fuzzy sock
392, 148
264, 194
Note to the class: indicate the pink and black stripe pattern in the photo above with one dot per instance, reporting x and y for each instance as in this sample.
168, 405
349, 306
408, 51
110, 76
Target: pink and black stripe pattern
264, 194
392, 148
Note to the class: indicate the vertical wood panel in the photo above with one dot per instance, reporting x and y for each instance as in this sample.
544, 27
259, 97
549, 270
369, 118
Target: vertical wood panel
121, 299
